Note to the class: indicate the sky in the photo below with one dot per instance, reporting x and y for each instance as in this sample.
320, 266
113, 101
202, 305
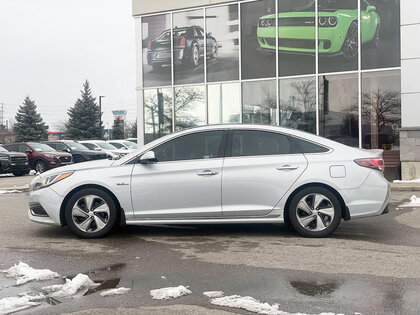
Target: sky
48, 48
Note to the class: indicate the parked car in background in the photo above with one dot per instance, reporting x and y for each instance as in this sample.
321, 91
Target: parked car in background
79, 152
100, 145
13, 162
41, 157
123, 144
218, 174
132, 140
188, 47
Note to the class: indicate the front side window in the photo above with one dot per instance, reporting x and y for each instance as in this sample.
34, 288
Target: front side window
22, 148
252, 143
90, 146
196, 146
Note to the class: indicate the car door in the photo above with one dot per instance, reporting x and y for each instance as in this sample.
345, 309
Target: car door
258, 169
185, 181
23, 148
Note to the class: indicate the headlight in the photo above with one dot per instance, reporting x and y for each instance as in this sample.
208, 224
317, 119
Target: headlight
44, 182
327, 21
4, 158
267, 22
52, 156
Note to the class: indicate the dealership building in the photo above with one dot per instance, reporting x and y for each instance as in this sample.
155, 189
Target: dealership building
346, 70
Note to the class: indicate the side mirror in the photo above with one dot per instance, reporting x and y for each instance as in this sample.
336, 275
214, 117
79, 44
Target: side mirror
148, 158
97, 149
29, 151
66, 150
370, 8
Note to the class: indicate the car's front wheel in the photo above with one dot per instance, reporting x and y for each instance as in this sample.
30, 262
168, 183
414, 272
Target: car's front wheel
214, 50
40, 166
20, 173
350, 46
91, 213
315, 212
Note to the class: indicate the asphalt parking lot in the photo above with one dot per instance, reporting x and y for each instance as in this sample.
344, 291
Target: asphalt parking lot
369, 266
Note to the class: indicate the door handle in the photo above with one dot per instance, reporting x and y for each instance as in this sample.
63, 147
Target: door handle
287, 168
207, 173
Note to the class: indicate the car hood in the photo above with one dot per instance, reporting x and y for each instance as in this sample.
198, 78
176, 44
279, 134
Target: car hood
79, 167
12, 154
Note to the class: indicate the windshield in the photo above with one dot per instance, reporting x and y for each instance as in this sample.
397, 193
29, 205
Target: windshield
3, 149
39, 147
325, 5
106, 146
129, 144
76, 146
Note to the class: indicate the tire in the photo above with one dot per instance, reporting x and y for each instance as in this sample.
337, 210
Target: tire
214, 51
350, 45
376, 38
306, 220
78, 159
40, 166
157, 67
91, 224
20, 173
195, 56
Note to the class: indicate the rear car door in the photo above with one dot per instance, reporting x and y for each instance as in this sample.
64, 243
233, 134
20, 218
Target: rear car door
259, 168
184, 182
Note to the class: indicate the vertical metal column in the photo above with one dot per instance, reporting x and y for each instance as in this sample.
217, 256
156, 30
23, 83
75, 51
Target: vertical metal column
316, 68
359, 74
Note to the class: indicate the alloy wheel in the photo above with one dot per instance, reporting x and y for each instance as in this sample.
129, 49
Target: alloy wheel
350, 46
40, 167
90, 213
195, 55
315, 212
215, 50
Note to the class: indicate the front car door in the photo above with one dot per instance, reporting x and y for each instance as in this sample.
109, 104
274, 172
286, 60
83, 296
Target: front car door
185, 182
258, 169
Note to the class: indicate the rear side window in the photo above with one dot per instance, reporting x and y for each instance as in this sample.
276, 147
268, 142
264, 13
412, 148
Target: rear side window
11, 148
252, 143
309, 147
196, 146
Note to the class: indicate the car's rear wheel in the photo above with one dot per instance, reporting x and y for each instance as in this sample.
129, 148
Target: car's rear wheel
315, 212
195, 56
91, 213
351, 46
40, 166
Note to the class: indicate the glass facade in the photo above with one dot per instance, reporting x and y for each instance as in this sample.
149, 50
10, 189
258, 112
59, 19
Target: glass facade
314, 65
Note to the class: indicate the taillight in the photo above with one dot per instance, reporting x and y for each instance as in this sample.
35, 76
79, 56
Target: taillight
149, 46
182, 42
375, 163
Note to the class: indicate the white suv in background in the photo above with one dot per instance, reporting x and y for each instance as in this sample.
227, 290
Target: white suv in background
123, 145
100, 145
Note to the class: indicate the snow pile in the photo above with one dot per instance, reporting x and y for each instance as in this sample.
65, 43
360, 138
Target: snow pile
23, 273
169, 293
417, 180
79, 284
253, 305
17, 303
4, 192
414, 202
213, 294
116, 291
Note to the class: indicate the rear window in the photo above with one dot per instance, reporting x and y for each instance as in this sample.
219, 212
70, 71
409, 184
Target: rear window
309, 147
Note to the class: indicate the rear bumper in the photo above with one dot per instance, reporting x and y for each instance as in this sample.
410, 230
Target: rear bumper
164, 57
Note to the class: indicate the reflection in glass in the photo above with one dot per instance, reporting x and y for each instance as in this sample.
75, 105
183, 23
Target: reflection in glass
338, 109
380, 33
156, 49
157, 113
224, 103
259, 102
298, 104
222, 43
188, 42
258, 50
381, 110
338, 35
190, 107
296, 20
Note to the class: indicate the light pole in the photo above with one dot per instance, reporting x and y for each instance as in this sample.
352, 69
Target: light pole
100, 116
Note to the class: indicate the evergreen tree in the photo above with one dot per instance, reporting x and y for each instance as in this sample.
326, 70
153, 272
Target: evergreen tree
83, 120
29, 125
117, 129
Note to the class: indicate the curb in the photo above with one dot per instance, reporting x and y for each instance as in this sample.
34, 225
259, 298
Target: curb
405, 187
20, 188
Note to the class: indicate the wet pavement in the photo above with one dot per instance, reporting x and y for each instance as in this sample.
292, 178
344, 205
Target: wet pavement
369, 266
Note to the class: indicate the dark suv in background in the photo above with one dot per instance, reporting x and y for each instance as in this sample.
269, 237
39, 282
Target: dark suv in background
13, 162
41, 157
79, 152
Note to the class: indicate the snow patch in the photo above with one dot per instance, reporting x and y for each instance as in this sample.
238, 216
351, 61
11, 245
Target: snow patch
253, 305
417, 180
414, 202
213, 294
23, 273
76, 287
14, 191
116, 291
169, 293
17, 303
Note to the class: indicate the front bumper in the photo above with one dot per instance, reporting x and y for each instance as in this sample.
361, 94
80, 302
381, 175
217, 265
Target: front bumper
50, 202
